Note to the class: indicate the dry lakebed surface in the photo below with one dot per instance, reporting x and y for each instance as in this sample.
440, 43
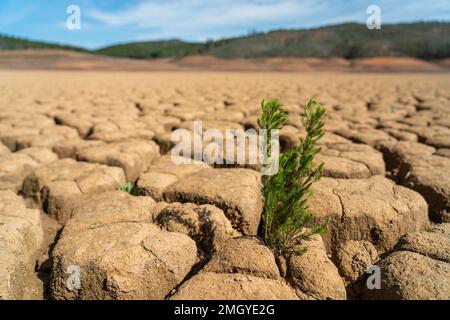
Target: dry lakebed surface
68, 140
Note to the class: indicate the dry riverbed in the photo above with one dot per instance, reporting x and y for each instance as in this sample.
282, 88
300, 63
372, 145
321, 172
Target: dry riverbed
68, 140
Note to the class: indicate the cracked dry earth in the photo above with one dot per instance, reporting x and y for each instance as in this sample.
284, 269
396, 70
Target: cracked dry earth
69, 139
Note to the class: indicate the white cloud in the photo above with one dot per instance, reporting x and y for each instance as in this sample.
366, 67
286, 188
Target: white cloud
200, 15
207, 19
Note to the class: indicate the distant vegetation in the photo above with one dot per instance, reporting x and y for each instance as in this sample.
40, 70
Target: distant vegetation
421, 40
13, 43
155, 49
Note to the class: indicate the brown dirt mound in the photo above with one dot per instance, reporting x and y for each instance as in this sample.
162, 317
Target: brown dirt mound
67, 60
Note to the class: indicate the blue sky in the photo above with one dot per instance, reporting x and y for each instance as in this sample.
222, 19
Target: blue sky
105, 22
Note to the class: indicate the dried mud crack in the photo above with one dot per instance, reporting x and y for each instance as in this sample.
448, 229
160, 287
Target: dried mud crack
69, 140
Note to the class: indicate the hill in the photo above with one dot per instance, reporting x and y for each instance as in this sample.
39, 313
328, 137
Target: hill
425, 40
153, 49
14, 43
419, 40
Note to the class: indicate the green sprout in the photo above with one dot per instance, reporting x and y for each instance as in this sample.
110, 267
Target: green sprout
129, 187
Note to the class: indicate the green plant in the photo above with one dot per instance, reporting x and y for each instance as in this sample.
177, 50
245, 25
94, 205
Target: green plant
129, 187
286, 218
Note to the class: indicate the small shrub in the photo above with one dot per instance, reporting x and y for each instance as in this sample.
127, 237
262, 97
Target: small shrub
129, 187
286, 218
